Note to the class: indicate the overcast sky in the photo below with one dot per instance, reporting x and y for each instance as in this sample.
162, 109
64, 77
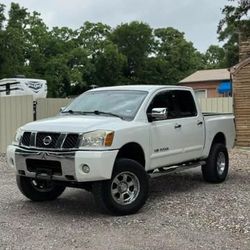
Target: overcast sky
198, 19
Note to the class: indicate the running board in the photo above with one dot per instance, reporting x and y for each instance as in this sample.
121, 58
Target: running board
175, 169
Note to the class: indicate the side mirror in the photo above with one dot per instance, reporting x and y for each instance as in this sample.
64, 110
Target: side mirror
61, 109
159, 114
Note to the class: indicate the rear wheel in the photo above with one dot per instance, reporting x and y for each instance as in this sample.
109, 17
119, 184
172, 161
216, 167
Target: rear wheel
38, 190
126, 192
216, 168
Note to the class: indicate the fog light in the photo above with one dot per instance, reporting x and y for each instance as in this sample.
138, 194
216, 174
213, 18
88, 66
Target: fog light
85, 168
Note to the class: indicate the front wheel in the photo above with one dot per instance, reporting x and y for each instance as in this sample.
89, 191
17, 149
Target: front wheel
126, 192
38, 190
216, 168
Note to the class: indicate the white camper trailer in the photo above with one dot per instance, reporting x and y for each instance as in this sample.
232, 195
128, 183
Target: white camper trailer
23, 86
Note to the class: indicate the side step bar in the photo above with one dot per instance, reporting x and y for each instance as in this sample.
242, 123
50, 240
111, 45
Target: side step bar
175, 169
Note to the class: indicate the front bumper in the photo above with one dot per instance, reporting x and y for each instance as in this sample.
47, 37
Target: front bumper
100, 163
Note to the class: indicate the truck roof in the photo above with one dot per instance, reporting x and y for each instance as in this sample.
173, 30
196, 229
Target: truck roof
149, 88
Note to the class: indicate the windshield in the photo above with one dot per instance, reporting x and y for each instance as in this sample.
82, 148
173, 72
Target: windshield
120, 103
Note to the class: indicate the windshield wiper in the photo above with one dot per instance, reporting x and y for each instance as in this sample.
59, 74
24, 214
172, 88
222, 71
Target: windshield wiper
97, 112
72, 112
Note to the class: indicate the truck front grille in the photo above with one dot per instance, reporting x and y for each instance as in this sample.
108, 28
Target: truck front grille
71, 141
26, 138
50, 140
47, 140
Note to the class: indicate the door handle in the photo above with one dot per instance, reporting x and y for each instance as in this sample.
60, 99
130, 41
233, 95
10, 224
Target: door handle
199, 123
177, 126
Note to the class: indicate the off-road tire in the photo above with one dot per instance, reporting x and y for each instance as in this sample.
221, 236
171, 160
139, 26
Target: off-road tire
29, 190
212, 172
103, 190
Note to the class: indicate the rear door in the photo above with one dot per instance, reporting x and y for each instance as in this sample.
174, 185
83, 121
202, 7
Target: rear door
191, 123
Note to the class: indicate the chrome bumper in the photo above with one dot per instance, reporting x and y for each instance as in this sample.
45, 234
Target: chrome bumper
66, 160
71, 163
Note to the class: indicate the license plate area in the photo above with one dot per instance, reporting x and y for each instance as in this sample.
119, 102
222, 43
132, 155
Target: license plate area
44, 166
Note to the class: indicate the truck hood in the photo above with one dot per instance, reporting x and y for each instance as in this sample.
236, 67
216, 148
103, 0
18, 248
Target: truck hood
76, 123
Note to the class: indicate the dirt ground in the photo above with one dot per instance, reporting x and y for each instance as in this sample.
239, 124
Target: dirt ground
182, 212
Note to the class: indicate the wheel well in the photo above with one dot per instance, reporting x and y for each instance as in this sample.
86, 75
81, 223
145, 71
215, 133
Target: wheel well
219, 138
132, 151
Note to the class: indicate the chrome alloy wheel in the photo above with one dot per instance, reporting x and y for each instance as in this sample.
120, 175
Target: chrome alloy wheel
125, 188
221, 163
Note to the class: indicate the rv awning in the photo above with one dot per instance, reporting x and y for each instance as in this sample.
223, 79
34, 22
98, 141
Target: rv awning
224, 87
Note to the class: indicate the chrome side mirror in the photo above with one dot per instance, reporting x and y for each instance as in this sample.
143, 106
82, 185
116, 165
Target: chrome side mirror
159, 114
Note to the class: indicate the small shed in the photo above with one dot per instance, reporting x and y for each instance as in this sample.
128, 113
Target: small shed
240, 74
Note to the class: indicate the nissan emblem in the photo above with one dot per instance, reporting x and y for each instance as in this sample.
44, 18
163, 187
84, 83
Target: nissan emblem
47, 140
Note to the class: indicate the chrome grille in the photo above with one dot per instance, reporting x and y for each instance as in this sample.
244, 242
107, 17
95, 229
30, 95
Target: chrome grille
50, 140
71, 141
41, 140
26, 138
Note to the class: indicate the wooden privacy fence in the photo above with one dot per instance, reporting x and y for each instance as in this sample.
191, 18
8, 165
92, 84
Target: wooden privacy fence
15, 111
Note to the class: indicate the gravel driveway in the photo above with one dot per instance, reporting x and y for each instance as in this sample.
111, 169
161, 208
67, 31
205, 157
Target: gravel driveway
182, 212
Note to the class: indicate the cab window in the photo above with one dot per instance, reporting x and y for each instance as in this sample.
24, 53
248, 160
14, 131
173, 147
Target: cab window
179, 103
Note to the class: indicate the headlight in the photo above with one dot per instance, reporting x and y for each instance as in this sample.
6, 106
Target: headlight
98, 138
18, 136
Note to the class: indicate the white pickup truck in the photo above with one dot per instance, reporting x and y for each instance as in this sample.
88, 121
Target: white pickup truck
111, 140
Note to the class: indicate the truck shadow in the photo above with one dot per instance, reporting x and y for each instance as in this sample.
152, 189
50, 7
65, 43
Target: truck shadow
80, 203
175, 184
77, 203
73, 202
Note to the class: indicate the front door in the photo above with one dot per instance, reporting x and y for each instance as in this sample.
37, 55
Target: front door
180, 137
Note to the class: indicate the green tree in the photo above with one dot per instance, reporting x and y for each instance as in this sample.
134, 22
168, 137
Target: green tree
2, 16
214, 57
134, 40
93, 37
180, 56
14, 46
57, 75
154, 71
109, 66
61, 41
36, 38
73, 60
81, 69
2, 33
235, 23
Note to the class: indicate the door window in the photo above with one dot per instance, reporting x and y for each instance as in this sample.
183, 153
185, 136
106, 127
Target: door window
179, 103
